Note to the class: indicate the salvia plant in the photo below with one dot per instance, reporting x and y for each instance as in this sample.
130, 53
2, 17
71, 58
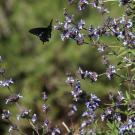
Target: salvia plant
97, 117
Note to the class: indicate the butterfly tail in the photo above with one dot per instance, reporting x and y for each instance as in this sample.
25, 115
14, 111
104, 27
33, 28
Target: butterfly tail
51, 23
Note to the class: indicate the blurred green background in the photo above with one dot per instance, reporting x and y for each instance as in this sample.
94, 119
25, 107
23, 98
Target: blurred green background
35, 67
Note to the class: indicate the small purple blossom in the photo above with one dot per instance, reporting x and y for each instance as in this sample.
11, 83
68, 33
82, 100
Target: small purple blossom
110, 71
70, 80
56, 131
92, 75
96, 4
88, 74
94, 32
101, 48
120, 96
44, 107
76, 91
13, 99
68, 18
108, 114
34, 118
81, 24
44, 97
59, 25
11, 128
93, 103
24, 114
46, 123
79, 39
82, 4
128, 128
6, 114
6, 83
85, 123
73, 110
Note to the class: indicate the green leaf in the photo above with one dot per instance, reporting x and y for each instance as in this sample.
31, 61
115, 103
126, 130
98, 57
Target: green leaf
128, 96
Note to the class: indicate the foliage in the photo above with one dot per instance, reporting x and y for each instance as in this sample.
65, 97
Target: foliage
113, 114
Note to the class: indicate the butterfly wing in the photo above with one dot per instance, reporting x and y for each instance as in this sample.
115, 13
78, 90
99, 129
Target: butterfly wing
44, 33
37, 31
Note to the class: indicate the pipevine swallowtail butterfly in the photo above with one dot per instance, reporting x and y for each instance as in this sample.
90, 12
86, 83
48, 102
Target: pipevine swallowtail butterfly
44, 33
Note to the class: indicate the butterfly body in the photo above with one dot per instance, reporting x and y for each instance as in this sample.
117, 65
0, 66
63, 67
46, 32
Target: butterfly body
44, 33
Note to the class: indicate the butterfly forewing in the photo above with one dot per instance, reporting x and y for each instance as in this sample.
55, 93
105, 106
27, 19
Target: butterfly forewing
44, 33
37, 31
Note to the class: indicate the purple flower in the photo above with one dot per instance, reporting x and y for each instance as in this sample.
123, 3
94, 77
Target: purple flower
128, 128
14, 98
108, 114
24, 114
6, 114
34, 118
96, 4
44, 96
93, 76
56, 131
79, 39
73, 110
93, 103
46, 123
89, 113
81, 72
85, 123
11, 128
82, 4
6, 83
71, 32
70, 80
76, 91
68, 18
59, 25
91, 106
94, 33
88, 74
44, 107
110, 71
101, 48
81, 24
120, 96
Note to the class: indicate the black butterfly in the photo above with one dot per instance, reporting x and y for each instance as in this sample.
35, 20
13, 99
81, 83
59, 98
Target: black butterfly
44, 33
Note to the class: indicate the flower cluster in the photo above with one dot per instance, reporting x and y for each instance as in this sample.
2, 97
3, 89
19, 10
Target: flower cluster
122, 28
76, 92
25, 113
91, 105
6, 83
117, 113
88, 74
128, 127
69, 30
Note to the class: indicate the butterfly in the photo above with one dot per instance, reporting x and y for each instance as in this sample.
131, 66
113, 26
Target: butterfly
44, 33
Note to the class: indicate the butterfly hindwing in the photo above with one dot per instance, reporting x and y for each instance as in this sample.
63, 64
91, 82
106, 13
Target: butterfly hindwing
44, 33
